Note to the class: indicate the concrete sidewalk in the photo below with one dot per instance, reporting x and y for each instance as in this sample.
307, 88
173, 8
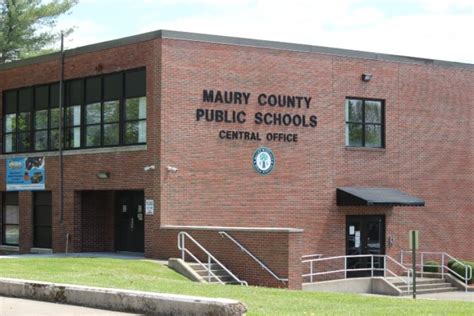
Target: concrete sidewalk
449, 296
22, 307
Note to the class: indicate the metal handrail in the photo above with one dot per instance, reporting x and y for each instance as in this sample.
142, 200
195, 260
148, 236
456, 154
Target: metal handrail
223, 233
372, 268
210, 258
317, 255
467, 268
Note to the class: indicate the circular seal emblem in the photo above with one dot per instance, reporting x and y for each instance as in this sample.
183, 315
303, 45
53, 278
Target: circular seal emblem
263, 160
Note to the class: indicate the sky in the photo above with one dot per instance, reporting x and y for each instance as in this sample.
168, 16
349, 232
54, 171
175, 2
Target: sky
434, 29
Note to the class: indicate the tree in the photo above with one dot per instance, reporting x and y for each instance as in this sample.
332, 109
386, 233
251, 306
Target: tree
26, 26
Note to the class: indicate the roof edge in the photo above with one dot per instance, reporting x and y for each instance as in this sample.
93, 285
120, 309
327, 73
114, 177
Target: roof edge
238, 41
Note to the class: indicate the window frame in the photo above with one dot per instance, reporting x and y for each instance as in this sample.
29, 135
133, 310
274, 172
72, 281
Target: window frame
363, 123
4, 205
122, 98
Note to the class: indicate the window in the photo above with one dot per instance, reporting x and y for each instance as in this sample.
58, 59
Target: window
10, 219
106, 110
364, 123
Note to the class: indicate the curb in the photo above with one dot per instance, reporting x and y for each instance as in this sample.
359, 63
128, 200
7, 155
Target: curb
120, 300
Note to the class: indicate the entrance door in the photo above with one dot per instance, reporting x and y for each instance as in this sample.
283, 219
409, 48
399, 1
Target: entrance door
130, 221
365, 235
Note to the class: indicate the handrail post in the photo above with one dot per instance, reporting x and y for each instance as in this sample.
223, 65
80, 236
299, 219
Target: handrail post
401, 257
442, 265
345, 267
311, 272
465, 276
209, 268
422, 265
372, 266
384, 266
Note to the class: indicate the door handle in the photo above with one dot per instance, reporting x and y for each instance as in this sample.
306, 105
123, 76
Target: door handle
131, 224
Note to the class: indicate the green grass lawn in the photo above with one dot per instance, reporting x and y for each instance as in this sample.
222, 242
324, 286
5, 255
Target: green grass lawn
150, 276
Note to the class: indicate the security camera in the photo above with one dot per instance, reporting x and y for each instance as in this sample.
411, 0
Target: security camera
172, 169
147, 168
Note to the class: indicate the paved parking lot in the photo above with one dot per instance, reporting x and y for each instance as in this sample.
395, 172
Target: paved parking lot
21, 307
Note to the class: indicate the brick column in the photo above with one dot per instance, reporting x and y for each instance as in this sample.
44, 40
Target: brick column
25, 202
295, 251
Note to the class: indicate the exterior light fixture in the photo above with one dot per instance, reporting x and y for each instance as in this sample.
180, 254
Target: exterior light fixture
103, 175
148, 168
366, 77
172, 169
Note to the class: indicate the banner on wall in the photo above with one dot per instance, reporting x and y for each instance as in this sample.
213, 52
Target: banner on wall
25, 174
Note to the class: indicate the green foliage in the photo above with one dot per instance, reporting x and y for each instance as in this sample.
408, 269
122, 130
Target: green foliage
428, 266
460, 269
145, 275
25, 26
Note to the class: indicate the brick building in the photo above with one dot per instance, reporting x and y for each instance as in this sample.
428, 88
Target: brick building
290, 149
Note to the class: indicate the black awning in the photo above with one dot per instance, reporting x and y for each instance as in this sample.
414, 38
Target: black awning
347, 196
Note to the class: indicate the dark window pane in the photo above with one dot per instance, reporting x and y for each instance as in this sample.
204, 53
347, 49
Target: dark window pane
9, 143
135, 132
10, 101
135, 83
42, 215
73, 115
373, 112
135, 108
41, 97
25, 100
354, 134
41, 140
41, 119
10, 123
54, 138
72, 137
93, 113
11, 198
111, 134
93, 136
23, 142
353, 111
54, 114
54, 95
373, 135
23, 121
42, 198
113, 87
42, 236
93, 90
111, 111
73, 92
11, 234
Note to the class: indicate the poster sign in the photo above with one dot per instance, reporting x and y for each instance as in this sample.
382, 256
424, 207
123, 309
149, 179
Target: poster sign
149, 207
25, 174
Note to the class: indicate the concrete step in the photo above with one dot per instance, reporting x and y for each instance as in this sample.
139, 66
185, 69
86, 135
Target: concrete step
433, 290
420, 282
426, 286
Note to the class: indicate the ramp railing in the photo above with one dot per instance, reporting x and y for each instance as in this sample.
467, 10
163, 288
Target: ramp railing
443, 258
316, 271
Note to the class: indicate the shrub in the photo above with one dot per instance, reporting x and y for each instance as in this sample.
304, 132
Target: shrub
428, 266
460, 269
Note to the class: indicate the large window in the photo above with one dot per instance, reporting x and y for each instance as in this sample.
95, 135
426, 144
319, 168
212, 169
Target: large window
364, 123
10, 219
100, 111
